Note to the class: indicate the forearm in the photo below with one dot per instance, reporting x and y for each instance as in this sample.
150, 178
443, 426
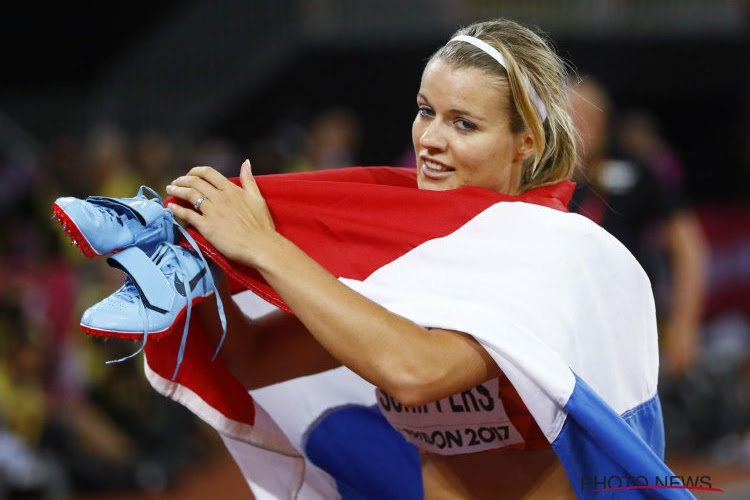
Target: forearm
390, 351
689, 255
264, 350
688, 259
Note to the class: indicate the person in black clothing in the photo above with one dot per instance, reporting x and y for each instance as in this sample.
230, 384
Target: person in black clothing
629, 201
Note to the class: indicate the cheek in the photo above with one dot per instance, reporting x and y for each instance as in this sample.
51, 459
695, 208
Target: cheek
480, 160
489, 165
416, 132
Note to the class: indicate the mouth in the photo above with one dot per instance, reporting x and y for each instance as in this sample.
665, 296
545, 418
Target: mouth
435, 170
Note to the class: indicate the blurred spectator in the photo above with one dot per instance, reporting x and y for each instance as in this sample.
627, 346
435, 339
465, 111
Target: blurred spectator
61, 170
23, 405
625, 197
639, 136
279, 149
655, 222
26, 467
332, 141
216, 151
17, 175
108, 163
68, 422
155, 160
266, 156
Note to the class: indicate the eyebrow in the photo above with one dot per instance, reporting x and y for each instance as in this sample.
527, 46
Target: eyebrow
457, 111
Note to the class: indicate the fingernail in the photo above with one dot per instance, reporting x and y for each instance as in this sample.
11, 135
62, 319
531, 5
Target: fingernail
246, 164
169, 187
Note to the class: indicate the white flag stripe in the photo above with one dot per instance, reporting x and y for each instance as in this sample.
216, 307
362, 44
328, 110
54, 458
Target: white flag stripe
544, 292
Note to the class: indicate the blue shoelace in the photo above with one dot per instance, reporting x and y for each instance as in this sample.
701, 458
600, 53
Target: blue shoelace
129, 291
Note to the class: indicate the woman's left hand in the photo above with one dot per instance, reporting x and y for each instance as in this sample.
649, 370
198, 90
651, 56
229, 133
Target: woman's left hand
234, 219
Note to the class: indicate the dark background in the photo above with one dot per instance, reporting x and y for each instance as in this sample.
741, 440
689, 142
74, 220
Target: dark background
242, 70
697, 85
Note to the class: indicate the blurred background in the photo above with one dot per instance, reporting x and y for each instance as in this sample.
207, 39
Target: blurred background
99, 98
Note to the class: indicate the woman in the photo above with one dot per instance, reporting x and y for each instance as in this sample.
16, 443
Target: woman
480, 122
491, 119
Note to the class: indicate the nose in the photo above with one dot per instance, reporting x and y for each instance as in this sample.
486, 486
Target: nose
433, 136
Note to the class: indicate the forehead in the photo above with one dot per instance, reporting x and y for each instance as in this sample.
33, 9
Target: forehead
463, 86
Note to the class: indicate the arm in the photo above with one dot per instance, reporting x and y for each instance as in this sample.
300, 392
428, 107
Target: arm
413, 364
687, 250
264, 350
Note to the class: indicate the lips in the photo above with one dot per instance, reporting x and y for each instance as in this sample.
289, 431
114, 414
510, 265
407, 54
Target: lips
435, 170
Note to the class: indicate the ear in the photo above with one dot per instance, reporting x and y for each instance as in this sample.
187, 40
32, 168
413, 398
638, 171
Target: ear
524, 146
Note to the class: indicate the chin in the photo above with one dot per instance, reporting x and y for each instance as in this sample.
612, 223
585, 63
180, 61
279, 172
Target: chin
430, 185
436, 185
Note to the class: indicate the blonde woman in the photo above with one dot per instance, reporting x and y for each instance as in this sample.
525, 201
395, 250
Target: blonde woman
491, 114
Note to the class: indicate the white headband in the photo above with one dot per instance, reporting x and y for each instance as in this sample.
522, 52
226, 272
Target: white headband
492, 52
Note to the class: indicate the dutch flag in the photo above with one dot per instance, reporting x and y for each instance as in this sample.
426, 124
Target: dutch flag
560, 305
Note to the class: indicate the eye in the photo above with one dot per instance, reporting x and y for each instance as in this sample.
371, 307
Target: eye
465, 125
425, 111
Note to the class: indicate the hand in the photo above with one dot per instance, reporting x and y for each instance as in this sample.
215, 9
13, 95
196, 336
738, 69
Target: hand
234, 219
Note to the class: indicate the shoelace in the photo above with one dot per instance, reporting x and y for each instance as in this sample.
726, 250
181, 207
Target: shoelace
212, 286
129, 291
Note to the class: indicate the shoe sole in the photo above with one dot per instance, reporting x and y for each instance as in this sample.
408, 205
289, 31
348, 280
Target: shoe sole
77, 238
177, 324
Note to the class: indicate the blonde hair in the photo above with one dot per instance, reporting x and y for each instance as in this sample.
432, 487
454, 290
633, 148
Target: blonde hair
529, 58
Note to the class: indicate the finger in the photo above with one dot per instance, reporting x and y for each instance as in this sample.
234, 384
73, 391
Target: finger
190, 195
247, 179
211, 176
197, 183
188, 215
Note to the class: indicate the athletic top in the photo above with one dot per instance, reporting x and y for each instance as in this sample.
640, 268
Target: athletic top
489, 416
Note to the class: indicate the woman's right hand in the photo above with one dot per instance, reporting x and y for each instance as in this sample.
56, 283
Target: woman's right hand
234, 219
